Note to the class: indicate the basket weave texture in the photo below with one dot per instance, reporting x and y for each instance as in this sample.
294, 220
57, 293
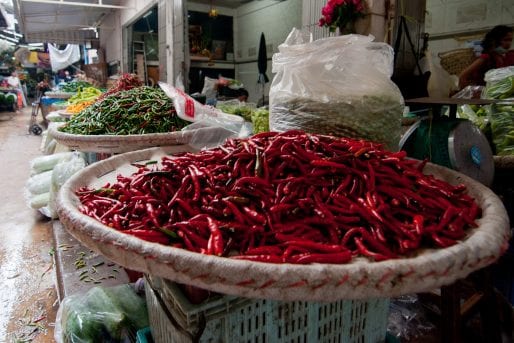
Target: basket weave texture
455, 61
123, 143
359, 279
504, 162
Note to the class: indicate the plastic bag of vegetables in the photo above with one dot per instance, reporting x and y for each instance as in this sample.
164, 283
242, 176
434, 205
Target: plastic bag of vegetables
242, 109
62, 172
499, 83
338, 85
103, 314
502, 127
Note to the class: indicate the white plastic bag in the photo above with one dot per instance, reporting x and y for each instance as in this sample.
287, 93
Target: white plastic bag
499, 83
191, 110
62, 172
44, 163
39, 183
209, 88
441, 83
39, 200
338, 85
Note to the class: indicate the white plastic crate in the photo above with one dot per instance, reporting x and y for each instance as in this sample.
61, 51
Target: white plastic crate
173, 319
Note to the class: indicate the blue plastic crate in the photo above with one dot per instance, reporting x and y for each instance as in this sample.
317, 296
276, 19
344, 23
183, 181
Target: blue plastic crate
174, 319
144, 336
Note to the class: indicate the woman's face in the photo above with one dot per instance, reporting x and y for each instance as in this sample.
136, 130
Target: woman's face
506, 41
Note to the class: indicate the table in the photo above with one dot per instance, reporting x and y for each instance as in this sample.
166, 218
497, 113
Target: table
437, 103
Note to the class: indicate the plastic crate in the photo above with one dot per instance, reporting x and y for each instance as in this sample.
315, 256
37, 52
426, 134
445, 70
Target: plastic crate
144, 336
173, 319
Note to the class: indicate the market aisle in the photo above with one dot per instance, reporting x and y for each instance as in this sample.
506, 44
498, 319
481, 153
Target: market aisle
27, 295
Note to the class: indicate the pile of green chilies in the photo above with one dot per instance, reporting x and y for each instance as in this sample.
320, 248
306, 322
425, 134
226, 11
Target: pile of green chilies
136, 111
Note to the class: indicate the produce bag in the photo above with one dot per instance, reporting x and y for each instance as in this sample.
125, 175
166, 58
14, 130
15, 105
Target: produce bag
203, 116
60, 174
499, 83
44, 163
338, 85
38, 201
236, 107
502, 127
260, 120
39, 183
103, 314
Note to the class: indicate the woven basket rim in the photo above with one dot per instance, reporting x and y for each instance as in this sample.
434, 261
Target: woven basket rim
455, 51
317, 282
125, 143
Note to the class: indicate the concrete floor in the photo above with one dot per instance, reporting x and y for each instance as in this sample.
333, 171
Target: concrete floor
27, 292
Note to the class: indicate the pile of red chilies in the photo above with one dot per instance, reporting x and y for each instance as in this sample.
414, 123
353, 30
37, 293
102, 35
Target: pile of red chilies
287, 198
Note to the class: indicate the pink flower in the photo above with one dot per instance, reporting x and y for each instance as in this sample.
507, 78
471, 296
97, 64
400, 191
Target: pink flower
359, 7
352, 9
328, 10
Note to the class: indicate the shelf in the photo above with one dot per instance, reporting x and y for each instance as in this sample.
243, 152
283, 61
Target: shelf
213, 64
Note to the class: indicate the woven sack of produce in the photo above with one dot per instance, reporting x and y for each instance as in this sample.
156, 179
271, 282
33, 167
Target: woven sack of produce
339, 86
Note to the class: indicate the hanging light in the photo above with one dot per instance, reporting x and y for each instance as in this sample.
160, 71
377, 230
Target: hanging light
213, 12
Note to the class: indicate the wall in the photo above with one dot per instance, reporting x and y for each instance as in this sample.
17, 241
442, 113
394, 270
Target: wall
453, 24
275, 20
112, 35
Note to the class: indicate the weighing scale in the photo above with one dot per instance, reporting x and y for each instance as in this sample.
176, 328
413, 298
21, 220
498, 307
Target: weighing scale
451, 142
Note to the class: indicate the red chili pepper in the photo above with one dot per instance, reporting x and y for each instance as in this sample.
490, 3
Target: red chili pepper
238, 216
332, 258
259, 258
264, 250
254, 215
364, 251
307, 187
215, 243
313, 246
442, 241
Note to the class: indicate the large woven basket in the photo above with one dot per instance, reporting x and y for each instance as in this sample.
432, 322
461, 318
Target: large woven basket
317, 282
455, 61
114, 144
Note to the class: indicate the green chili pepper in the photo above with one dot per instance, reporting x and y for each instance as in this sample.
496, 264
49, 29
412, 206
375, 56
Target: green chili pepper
136, 111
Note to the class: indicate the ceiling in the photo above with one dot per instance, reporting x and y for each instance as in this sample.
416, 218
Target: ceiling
60, 21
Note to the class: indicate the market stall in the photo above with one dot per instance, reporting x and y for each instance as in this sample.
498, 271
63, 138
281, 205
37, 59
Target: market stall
300, 221
260, 225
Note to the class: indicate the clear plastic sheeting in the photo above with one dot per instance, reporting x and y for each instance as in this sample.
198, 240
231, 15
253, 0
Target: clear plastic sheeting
338, 85
407, 319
